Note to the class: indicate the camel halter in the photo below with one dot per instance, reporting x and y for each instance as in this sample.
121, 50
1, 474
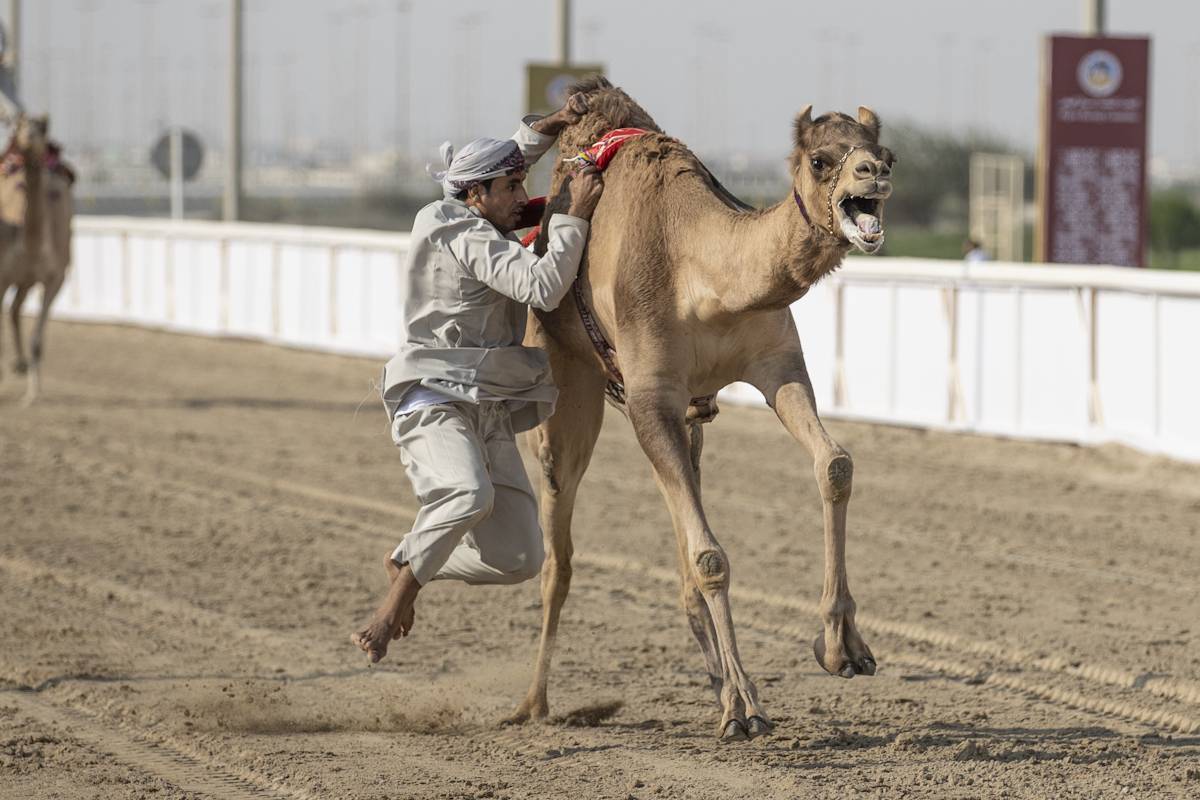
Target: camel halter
829, 200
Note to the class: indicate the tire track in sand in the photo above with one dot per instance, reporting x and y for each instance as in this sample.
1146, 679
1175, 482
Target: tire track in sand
185, 767
1168, 688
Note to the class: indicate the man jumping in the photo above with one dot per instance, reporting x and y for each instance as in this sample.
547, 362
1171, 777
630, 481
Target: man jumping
462, 384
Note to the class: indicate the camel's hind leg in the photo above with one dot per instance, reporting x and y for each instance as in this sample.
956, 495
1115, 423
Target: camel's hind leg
657, 407
699, 618
564, 446
784, 382
20, 365
49, 293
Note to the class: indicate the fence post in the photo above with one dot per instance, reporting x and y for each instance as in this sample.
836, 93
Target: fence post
126, 276
333, 295
1095, 417
955, 408
276, 289
1158, 392
1017, 361
839, 346
169, 278
223, 287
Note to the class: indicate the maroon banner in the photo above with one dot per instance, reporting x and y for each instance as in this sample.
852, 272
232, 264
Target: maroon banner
1092, 165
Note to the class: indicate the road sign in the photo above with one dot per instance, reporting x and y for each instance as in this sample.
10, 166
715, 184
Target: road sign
546, 84
193, 155
1092, 161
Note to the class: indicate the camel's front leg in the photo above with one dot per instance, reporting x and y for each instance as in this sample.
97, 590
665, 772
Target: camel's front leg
784, 382
657, 414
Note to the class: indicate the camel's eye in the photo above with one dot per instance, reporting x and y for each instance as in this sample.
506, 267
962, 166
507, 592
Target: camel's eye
817, 164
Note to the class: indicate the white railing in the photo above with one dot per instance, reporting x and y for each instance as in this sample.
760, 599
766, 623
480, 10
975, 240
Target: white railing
1083, 354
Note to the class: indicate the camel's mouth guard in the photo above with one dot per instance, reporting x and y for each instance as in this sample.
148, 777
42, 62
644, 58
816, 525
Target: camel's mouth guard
861, 222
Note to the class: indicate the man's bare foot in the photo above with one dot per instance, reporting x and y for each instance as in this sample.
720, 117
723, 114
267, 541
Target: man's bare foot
407, 617
394, 618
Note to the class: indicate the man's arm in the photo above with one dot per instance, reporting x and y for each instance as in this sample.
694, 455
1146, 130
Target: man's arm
514, 271
537, 134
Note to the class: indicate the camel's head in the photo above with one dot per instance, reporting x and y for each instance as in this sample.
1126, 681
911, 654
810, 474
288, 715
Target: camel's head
31, 135
842, 176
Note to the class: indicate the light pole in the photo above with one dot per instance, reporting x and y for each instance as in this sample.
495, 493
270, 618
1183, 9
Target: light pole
233, 147
563, 32
14, 44
1095, 17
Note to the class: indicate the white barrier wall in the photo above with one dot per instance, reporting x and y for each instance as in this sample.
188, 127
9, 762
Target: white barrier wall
1085, 354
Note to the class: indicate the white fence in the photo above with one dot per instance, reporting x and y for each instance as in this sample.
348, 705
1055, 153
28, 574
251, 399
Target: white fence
1084, 354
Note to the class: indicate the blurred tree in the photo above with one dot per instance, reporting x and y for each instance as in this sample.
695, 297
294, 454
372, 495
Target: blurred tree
1174, 223
932, 173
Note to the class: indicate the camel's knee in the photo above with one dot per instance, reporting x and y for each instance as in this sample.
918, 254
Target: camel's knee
712, 569
550, 478
835, 476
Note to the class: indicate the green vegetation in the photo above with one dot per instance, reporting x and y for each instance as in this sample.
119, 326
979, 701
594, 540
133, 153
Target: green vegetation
927, 216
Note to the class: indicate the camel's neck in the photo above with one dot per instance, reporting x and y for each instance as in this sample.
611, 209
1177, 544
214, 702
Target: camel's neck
35, 210
765, 261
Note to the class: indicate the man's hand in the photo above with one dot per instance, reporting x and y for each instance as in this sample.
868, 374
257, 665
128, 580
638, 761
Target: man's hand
569, 114
586, 187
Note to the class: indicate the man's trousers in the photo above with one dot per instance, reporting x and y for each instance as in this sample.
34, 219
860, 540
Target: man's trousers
478, 521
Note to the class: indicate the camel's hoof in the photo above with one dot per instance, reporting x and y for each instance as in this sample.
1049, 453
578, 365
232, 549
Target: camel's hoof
866, 666
757, 726
20, 367
524, 715
735, 731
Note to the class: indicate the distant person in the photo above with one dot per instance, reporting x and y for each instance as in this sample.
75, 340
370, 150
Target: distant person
462, 384
973, 251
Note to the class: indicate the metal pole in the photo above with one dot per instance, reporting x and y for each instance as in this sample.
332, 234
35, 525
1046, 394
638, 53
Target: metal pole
1094, 17
563, 32
14, 44
233, 148
176, 173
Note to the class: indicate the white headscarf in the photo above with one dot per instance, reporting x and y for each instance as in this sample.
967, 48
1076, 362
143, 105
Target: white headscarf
478, 161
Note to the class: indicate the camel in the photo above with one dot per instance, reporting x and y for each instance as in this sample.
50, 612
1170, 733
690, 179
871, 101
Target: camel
692, 289
35, 233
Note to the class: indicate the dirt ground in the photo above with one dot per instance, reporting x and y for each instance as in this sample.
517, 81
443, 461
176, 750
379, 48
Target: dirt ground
192, 528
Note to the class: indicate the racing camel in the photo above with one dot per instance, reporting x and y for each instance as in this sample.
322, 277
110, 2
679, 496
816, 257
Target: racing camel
36, 208
682, 291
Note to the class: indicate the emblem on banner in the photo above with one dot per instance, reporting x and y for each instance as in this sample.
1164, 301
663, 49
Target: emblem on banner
1099, 73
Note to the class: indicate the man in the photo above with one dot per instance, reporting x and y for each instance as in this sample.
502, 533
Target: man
462, 384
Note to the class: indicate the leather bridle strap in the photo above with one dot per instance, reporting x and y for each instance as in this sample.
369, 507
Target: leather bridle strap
832, 188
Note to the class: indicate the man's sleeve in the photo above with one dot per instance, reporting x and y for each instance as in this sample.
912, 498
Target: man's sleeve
533, 144
516, 272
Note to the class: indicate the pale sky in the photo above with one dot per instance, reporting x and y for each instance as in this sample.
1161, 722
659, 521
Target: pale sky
726, 77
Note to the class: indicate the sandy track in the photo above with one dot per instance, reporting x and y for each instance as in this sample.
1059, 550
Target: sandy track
192, 528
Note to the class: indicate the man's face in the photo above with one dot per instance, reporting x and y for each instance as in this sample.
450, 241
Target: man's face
503, 203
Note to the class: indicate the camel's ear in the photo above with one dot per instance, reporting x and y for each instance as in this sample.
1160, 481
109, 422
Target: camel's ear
869, 120
802, 124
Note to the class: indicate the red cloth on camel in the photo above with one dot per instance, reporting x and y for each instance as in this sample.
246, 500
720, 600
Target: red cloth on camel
597, 155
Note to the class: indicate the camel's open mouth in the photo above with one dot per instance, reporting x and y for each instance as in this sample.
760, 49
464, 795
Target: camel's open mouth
860, 219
